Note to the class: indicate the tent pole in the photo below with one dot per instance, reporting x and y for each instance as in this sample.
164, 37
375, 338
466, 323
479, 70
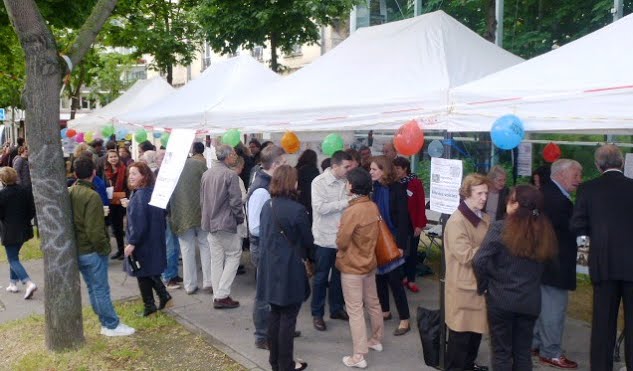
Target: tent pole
417, 7
499, 19
618, 9
448, 139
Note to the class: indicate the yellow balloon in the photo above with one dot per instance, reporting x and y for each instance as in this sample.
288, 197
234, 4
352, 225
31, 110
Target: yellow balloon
128, 137
89, 136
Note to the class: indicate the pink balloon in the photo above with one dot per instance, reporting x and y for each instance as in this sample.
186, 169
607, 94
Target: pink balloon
79, 137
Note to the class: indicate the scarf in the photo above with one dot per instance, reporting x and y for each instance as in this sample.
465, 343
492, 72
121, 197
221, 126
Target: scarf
116, 178
408, 178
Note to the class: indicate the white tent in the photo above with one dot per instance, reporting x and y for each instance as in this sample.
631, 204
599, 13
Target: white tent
189, 105
584, 85
379, 77
139, 95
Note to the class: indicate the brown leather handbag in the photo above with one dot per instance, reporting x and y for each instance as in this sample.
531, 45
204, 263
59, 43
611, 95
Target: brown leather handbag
386, 247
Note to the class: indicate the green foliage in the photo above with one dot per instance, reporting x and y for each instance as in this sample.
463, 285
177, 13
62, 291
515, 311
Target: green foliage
231, 24
165, 29
12, 68
106, 81
30, 251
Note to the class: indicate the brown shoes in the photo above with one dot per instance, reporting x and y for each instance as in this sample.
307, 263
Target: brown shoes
226, 303
318, 323
560, 362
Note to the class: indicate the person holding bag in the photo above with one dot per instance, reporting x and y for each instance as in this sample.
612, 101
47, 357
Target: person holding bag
356, 259
282, 280
391, 198
116, 177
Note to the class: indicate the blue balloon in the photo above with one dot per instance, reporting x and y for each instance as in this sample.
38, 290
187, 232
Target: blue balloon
63, 132
121, 133
157, 134
507, 132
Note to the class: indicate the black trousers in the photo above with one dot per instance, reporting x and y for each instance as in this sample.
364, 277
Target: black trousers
510, 339
606, 303
411, 261
392, 279
282, 321
461, 350
117, 213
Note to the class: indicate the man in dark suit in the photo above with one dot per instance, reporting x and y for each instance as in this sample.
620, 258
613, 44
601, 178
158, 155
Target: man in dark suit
604, 213
559, 275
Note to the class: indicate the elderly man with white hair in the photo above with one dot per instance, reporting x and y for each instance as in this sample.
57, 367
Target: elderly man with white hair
222, 212
559, 275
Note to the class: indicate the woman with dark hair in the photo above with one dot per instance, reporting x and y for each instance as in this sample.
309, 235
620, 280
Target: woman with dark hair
356, 259
115, 174
125, 155
307, 170
282, 281
508, 267
541, 176
416, 203
391, 199
16, 211
146, 238
21, 166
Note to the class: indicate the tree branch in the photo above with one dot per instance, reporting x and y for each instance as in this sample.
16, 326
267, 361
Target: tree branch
90, 29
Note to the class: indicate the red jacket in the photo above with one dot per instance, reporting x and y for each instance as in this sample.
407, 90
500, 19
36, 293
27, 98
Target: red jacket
416, 202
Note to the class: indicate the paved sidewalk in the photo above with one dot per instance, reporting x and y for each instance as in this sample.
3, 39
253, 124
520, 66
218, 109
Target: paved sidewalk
231, 331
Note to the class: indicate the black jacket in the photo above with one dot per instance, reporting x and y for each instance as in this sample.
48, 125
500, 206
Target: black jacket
399, 210
281, 274
16, 211
560, 272
604, 212
509, 282
501, 205
306, 175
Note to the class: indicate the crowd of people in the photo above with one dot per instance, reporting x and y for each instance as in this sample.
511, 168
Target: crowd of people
510, 253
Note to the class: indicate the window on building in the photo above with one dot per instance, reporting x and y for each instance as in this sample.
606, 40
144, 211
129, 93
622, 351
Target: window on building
296, 51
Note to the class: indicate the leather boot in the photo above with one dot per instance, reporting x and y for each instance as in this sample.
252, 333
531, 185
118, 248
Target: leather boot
145, 284
164, 299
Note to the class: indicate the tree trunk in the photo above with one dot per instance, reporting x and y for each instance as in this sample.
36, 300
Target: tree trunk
274, 65
491, 21
62, 297
170, 74
75, 95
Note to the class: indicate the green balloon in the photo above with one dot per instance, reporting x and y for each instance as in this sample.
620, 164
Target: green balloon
107, 131
164, 138
231, 137
332, 143
140, 136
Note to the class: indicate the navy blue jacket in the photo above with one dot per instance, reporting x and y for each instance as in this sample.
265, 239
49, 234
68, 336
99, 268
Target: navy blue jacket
16, 211
146, 231
281, 276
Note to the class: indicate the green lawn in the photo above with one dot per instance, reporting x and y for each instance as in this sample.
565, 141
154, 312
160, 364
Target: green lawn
30, 250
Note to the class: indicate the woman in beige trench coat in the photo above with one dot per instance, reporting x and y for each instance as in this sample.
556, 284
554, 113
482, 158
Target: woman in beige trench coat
465, 309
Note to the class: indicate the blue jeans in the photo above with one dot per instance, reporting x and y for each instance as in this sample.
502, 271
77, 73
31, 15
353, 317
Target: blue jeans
261, 310
94, 270
325, 258
173, 254
548, 330
16, 269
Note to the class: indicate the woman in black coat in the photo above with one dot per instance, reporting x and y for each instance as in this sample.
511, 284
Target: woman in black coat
508, 268
146, 238
307, 170
282, 281
16, 212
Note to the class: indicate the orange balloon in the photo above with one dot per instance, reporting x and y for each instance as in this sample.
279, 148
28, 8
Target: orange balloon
551, 152
290, 142
71, 133
409, 139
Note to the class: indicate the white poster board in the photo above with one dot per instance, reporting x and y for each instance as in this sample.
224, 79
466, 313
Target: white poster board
174, 161
524, 161
628, 165
446, 178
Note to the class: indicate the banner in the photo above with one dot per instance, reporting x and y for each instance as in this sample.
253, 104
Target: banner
446, 178
524, 161
178, 147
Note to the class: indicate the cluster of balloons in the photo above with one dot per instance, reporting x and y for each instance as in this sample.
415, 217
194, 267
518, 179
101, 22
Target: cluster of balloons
109, 130
507, 132
409, 139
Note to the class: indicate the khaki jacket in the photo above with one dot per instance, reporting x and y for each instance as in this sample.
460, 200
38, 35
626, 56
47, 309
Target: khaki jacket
357, 236
465, 309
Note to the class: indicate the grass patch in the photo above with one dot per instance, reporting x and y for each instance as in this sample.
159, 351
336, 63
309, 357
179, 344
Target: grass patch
30, 251
159, 343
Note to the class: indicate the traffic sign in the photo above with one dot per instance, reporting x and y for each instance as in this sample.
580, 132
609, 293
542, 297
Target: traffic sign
2, 114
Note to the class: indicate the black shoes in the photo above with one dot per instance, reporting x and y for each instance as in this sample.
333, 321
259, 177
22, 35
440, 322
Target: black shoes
261, 344
341, 314
117, 256
319, 324
477, 367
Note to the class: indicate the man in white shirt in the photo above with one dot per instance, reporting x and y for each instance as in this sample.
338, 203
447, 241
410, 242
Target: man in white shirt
329, 199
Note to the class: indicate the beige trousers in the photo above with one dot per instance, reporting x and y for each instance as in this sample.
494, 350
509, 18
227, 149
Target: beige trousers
360, 293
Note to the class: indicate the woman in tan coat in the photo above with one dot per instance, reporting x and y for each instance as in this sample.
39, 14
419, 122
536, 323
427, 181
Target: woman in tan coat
465, 309
356, 259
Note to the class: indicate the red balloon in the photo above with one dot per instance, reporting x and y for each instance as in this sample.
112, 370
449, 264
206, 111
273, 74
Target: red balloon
551, 152
71, 133
409, 139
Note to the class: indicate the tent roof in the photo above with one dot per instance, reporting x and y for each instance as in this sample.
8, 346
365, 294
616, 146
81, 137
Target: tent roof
584, 85
379, 76
139, 95
188, 106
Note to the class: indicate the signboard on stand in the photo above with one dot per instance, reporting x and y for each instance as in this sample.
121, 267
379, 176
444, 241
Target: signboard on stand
446, 178
524, 161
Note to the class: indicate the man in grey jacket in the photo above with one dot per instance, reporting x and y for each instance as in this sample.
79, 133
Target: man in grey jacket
221, 201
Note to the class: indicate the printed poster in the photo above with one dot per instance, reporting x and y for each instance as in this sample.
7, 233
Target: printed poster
524, 160
446, 178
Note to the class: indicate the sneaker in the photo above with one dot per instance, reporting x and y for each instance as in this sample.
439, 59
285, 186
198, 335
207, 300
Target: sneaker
172, 284
120, 330
30, 289
226, 303
12, 288
261, 344
349, 362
